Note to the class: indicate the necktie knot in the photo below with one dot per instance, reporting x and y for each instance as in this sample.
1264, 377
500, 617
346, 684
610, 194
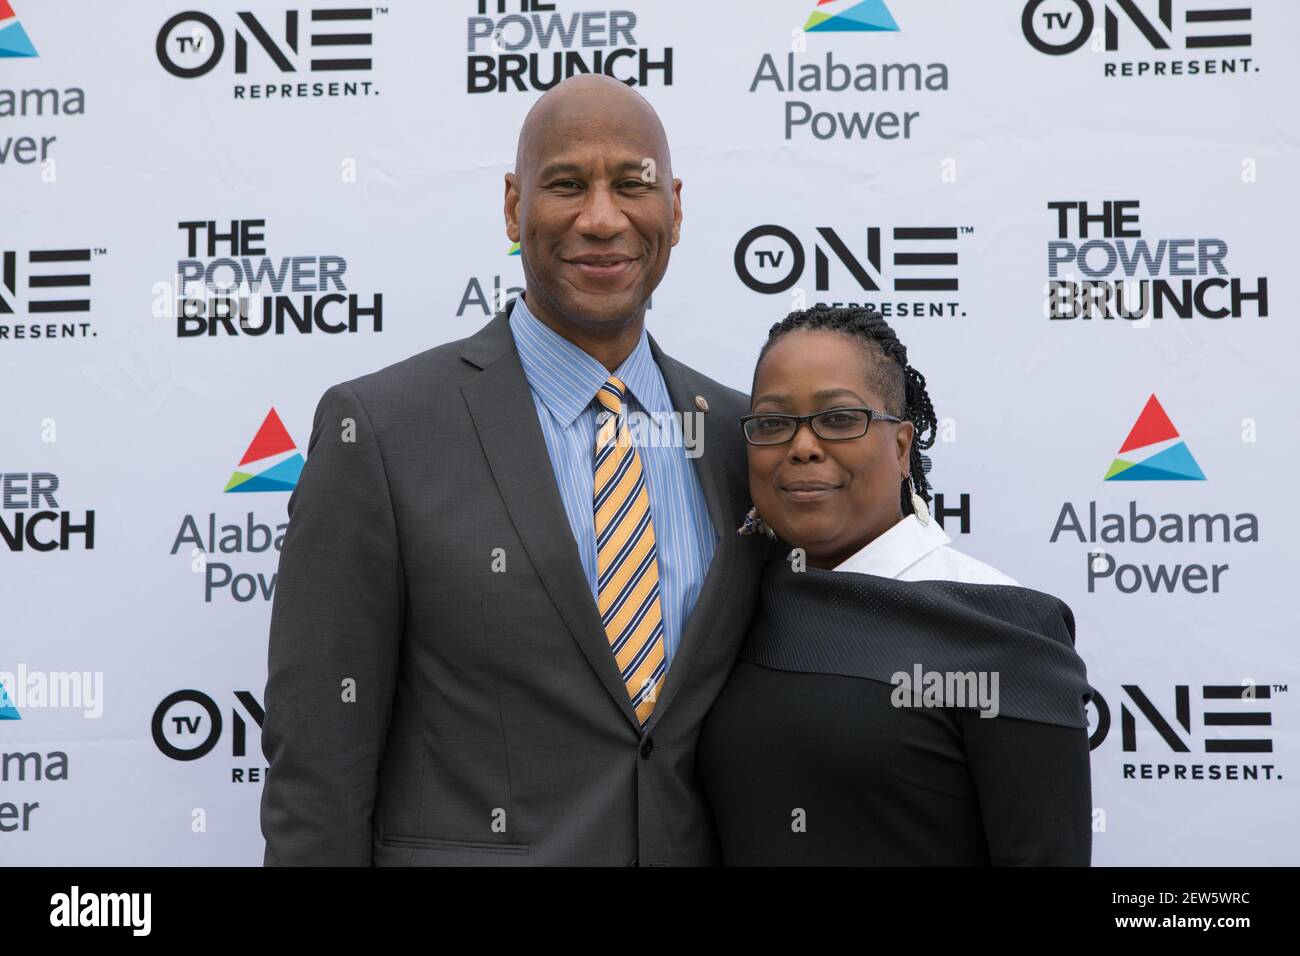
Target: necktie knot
611, 394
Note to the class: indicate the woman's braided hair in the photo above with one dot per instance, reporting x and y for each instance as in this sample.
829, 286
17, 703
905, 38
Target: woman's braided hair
887, 372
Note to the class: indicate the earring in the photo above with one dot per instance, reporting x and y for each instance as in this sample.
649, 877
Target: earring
918, 503
755, 525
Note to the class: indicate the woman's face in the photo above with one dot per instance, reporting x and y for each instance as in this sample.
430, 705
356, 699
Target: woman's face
828, 497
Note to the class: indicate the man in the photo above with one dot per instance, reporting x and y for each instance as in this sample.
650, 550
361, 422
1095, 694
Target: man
499, 620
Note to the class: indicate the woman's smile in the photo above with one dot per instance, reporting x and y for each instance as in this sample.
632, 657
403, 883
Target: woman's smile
809, 489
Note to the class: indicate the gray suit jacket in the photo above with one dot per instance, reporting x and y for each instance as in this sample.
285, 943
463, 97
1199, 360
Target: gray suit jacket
424, 709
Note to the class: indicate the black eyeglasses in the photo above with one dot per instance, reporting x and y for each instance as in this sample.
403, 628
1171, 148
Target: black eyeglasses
833, 424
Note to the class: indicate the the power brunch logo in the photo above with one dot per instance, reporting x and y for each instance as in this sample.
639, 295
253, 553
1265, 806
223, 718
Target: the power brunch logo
272, 463
14, 40
518, 46
1102, 265
31, 518
817, 67
273, 49
1170, 38
1154, 451
227, 284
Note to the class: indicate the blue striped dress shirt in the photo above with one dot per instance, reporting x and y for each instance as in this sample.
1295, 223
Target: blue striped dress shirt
564, 380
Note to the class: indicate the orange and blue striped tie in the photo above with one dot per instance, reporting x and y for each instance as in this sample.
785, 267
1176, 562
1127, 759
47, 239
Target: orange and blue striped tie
627, 561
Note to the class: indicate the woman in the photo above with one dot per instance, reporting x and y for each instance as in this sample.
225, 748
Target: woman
895, 702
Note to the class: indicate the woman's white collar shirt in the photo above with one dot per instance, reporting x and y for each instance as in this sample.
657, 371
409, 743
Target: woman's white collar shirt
912, 551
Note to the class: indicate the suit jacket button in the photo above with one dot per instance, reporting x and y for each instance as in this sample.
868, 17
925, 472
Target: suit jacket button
647, 746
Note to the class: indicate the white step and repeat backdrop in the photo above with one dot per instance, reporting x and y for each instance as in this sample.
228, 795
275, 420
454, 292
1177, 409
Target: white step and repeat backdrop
1079, 215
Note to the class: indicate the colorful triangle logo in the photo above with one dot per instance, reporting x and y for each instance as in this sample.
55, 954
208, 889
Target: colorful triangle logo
7, 709
1154, 451
272, 462
14, 40
514, 249
850, 16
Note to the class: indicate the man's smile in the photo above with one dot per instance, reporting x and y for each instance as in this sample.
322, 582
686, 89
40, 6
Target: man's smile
603, 267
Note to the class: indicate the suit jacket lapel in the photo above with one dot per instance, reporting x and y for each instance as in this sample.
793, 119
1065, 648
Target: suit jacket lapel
501, 406
683, 387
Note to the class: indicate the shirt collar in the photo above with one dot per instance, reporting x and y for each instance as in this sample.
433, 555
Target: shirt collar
889, 554
567, 379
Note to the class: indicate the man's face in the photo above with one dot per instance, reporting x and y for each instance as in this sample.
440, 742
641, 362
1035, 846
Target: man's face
594, 215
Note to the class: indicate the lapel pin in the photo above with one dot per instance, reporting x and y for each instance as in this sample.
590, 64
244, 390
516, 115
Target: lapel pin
701, 404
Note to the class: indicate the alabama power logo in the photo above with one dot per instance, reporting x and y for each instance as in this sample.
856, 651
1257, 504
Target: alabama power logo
810, 73
486, 297
841, 16
26, 772
1154, 450
14, 41
26, 137
8, 711
1119, 537
272, 461
220, 550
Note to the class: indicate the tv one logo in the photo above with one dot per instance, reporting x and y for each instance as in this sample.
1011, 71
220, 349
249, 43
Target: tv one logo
192, 43
41, 278
771, 259
1058, 27
188, 725
1220, 706
44, 292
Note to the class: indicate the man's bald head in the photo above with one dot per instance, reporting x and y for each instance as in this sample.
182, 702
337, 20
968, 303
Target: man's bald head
594, 206
593, 97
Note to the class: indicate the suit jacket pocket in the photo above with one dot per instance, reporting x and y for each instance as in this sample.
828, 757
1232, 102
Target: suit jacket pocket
429, 843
